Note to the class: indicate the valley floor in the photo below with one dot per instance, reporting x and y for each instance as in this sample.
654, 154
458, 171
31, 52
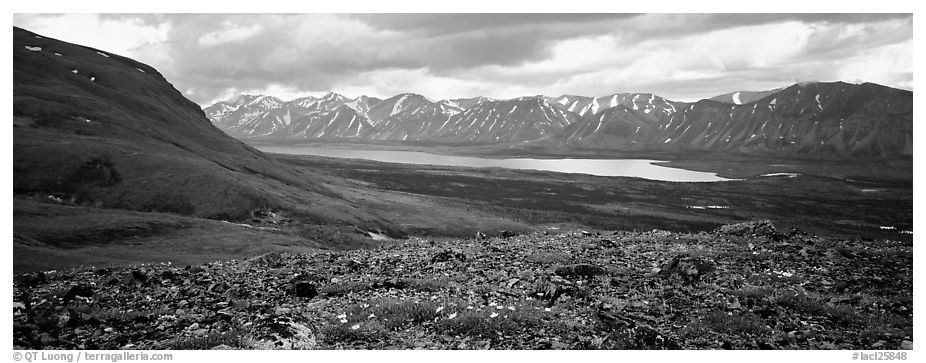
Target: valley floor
744, 286
868, 201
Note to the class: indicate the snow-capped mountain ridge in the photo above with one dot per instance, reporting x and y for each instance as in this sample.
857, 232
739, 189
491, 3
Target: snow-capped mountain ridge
784, 121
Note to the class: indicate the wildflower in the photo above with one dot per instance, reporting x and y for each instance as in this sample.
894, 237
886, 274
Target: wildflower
342, 316
355, 327
469, 307
511, 308
343, 321
451, 316
494, 314
371, 316
547, 309
439, 309
492, 303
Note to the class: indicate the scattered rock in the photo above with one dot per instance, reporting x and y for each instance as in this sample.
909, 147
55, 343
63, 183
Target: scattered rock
763, 228
606, 243
32, 279
271, 259
246, 305
580, 270
906, 345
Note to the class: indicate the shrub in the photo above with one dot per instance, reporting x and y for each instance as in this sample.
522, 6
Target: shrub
483, 324
233, 339
343, 288
365, 332
747, 323
755, 294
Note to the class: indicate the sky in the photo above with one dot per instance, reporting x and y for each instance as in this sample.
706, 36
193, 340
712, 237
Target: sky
683, 57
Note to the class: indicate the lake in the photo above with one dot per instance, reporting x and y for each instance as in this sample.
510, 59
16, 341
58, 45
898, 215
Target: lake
640, 168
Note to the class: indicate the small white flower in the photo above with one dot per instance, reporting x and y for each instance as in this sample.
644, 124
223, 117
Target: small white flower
547, 309
342, 316
469, 307
371, 316
451, 316
439, 309
492, 304
355, 327
511, 308
343, 321
494, 314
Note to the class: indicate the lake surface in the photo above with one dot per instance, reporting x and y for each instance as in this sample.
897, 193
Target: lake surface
640, 168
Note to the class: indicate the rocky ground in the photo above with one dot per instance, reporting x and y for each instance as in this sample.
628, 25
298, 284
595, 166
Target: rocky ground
744, 286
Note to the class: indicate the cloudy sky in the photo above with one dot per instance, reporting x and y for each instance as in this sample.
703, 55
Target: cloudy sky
678, 56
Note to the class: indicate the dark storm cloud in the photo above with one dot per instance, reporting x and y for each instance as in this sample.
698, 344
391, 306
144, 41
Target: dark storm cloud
438, 24
207, 55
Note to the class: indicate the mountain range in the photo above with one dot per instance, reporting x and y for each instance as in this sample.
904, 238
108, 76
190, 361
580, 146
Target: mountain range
811, 119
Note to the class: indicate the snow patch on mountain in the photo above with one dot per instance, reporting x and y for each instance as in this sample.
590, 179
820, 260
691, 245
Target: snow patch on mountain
398, 105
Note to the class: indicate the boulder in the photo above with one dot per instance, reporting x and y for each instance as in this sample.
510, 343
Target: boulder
390, 283
218, 287
448, 255
304, 289
79, 290
689, 269
136, 277
282, 333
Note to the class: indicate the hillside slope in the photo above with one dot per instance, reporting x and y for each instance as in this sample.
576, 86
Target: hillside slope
813, 120
99, 129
